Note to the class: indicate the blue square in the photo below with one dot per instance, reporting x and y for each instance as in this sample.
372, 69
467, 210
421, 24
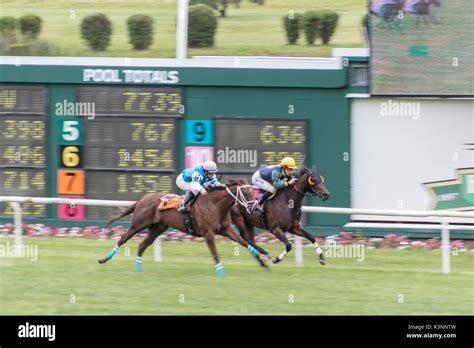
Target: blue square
199, 132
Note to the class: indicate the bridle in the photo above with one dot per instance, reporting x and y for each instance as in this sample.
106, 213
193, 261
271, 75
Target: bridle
240, 199
311, 183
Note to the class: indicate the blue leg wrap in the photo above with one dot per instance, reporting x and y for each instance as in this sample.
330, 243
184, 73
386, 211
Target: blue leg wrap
112, 252
138, 264
219, 270
252, 250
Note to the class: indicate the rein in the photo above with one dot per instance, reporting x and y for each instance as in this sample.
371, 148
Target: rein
240, 198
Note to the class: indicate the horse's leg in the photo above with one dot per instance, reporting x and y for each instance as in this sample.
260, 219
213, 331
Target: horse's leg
232, 234
278, 232
299, 231
251, 240
211, 243
155, 231
134, 229
247, 231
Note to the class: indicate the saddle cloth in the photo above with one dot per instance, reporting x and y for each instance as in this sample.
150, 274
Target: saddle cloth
170, 201
256, 192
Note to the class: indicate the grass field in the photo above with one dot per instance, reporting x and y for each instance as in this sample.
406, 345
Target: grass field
249, 30
68, 267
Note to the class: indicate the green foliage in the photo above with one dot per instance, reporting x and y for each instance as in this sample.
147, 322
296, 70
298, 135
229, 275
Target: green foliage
7, 26
30, 25
311, 26
96, 30
365, 21
210, 3
258, 2
292, 26
140, 29
329, 22
202, 26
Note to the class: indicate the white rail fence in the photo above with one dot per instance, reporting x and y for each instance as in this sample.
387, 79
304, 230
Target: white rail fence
435, 216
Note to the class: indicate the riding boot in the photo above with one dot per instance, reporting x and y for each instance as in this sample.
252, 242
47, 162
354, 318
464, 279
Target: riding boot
263, 197
187, 198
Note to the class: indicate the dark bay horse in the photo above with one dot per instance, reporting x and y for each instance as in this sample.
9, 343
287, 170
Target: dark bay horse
283, 213
209, 216
422, 8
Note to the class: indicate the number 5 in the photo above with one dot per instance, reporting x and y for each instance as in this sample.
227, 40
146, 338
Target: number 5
71, 128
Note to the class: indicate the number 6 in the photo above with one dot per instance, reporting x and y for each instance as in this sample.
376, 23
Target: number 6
69, 127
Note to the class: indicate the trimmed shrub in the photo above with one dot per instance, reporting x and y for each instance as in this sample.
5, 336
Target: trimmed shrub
329, 21
210, 3
30, 25
202, 26
140, 30
7, 26
96, 30
292, 27
311, 26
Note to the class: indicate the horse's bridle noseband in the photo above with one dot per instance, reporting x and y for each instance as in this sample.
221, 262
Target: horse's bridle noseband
240, 198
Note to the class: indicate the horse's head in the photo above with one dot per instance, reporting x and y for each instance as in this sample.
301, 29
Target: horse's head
242, 191
314, 182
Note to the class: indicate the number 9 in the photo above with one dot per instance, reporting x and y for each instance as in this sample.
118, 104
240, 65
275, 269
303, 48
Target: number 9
199, 131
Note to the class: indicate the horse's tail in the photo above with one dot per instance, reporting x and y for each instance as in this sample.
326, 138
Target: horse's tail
122, 214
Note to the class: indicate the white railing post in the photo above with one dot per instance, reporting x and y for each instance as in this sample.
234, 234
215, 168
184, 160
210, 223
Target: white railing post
157, 250
298, 251
445, 247
17, 225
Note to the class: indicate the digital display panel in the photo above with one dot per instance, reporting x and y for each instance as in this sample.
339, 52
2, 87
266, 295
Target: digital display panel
23, 123
243, 144
134, 100
130, 143
422, 47
126, 186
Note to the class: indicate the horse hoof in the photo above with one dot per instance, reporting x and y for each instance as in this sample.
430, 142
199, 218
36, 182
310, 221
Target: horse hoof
103, 260
275, 260
322, 262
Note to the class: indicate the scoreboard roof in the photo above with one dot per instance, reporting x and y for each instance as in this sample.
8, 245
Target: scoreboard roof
205, 71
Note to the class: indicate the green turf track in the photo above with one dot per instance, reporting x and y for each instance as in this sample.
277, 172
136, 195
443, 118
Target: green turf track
68, 267
250, 30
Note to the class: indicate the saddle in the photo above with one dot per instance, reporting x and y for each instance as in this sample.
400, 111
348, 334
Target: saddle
170, 201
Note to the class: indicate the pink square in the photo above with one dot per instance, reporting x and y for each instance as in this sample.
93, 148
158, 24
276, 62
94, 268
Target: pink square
71, 212
195, 155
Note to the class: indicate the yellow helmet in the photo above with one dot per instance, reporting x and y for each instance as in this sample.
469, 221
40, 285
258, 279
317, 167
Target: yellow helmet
288, 162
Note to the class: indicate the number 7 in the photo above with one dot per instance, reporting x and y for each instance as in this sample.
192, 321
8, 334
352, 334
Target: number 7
69, 186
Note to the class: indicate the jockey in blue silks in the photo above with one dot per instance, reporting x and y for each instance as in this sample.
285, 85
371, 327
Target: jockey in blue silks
193, 180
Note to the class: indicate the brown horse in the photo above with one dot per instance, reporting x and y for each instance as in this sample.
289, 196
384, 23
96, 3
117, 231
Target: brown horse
209, 216
283, 213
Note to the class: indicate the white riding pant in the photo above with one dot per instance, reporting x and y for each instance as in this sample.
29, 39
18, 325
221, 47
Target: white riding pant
261, 183
183, 185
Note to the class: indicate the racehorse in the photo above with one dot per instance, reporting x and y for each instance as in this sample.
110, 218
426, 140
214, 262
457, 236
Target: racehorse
209, 216
422, 9
387, 10
282, 213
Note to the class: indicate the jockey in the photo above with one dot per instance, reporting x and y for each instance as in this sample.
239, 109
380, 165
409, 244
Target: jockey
193, 179
271, 178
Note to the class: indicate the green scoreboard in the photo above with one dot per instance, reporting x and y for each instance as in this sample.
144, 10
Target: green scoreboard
116, 132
